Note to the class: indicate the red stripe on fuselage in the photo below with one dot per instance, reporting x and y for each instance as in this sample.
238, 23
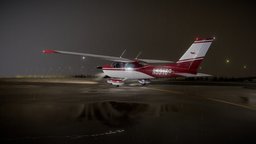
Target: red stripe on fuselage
188, 66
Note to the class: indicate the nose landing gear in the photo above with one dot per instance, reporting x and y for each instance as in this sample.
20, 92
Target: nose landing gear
115, 82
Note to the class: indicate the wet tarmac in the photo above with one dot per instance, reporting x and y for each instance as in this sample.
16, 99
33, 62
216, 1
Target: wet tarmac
87, 111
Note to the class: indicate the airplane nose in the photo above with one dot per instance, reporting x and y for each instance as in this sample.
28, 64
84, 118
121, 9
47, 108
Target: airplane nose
99, 67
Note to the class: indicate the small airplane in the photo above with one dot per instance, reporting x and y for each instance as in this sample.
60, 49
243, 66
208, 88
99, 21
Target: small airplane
143, 70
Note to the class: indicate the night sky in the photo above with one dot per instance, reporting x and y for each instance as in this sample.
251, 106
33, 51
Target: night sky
160, 29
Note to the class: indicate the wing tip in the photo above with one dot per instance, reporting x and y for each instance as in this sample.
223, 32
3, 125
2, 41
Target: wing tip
48, 51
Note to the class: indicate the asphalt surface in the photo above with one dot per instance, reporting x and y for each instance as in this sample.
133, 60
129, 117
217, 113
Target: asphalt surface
87, 111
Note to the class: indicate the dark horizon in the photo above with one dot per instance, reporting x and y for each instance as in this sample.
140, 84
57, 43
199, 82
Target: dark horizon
160, 29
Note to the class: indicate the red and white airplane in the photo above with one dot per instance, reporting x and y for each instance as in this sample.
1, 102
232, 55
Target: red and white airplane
122, 69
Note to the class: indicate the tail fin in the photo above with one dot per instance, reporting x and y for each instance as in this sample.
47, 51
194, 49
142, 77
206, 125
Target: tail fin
194, 56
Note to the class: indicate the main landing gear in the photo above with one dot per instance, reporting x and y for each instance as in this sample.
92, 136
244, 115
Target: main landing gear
119, 82
144, 82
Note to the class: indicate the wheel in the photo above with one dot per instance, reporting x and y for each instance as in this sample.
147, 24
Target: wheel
144, 82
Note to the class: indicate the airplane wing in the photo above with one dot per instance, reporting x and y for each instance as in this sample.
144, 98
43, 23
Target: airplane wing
110, 58
155, 61
193, 75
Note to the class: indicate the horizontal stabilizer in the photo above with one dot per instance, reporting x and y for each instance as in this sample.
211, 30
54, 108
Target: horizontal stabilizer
193, 75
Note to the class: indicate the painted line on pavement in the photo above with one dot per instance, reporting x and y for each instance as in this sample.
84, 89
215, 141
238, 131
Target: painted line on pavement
231, 103
211, 99
163, 90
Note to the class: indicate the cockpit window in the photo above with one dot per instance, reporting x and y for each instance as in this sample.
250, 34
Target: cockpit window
129, 65
118, 64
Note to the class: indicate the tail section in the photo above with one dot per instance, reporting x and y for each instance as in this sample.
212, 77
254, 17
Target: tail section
194, 56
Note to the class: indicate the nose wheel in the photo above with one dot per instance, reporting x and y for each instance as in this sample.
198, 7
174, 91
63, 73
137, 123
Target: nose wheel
115, 82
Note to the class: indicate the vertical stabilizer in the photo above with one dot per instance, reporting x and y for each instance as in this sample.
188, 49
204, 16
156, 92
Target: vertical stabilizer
193, 57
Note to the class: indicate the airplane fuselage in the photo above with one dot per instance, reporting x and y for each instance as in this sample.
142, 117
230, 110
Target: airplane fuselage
139, 70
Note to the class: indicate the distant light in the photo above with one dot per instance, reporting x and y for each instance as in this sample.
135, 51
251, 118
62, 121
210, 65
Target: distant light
245, 67
227, 61
83, 57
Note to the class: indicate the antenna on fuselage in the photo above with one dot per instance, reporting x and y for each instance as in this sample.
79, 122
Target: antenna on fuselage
122, 53
138, 55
